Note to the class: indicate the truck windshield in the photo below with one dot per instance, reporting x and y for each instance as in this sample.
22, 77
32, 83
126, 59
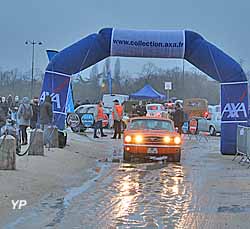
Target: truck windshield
151, 124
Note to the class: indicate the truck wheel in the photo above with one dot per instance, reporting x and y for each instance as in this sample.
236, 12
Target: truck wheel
212, 131
126, 157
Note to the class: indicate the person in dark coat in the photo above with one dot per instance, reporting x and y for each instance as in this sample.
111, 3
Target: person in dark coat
178, 117
133, 111
36, 110
4, 106
141, 109
77, 104
16, 102
24, 115
2, 118
10, 101
46, 113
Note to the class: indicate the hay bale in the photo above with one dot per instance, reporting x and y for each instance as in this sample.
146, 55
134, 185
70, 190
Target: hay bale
7, 153
50, 137
36, 143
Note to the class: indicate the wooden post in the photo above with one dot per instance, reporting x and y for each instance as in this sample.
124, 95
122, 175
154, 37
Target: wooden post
36, 143
7, 153
50, 137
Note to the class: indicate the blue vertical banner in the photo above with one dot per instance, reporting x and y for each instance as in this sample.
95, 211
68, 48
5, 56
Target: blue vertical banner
70, 103
56, 85
234, 111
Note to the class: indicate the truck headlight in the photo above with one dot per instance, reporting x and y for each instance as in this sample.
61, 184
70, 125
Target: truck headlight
128, 138
167, 139
138, 139
177, 140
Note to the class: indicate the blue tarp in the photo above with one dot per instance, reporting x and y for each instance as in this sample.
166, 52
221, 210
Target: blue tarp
147, 92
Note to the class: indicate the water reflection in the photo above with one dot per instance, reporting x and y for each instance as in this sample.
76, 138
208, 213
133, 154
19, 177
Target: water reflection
127, 190
138, 196
150, 198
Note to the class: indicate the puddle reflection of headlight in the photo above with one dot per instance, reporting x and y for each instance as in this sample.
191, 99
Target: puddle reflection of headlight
126, 196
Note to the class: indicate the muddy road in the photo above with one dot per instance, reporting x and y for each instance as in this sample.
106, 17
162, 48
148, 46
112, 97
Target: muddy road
205, 190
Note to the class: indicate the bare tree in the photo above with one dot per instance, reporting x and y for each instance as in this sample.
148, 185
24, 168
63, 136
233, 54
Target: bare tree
117, 76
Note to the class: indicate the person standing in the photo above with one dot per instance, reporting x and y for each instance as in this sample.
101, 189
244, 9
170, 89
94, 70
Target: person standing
5, 106
178, 117
2, 118
14, 109
24, 115
46, 113
141, 109
77, 104
133, 111
99, 116
16, 102
117, 113
35, 116
10, 101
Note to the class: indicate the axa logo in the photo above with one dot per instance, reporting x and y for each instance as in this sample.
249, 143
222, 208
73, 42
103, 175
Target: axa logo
232, 110
55, 98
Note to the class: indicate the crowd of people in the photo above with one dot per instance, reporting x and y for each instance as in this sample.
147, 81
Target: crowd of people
31, 113
26, 113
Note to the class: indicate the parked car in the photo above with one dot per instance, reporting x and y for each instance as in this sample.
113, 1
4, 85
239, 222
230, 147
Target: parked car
147, 137
195, 107
156, 110
214, 108
86, 116
212, 124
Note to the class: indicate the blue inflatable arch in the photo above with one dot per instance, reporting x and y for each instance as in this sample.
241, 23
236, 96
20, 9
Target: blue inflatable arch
155, 44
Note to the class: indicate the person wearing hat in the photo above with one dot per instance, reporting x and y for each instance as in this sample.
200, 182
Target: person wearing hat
24, 116
4, 106
133, 111
117, 114
99, 116
35, 108
178, 117
141, 109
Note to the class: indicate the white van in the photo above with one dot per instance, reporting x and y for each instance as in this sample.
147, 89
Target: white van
156, 110
108, 99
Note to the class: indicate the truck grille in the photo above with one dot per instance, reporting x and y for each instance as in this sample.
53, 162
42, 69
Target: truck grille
153, 140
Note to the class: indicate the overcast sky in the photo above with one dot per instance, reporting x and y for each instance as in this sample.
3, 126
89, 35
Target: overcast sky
59, 23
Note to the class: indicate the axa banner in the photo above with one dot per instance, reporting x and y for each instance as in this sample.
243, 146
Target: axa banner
234, 105
150, 43
56, 85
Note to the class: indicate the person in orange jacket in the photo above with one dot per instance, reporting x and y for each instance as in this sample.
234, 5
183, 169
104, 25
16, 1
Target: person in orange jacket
117, 114
99, 116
